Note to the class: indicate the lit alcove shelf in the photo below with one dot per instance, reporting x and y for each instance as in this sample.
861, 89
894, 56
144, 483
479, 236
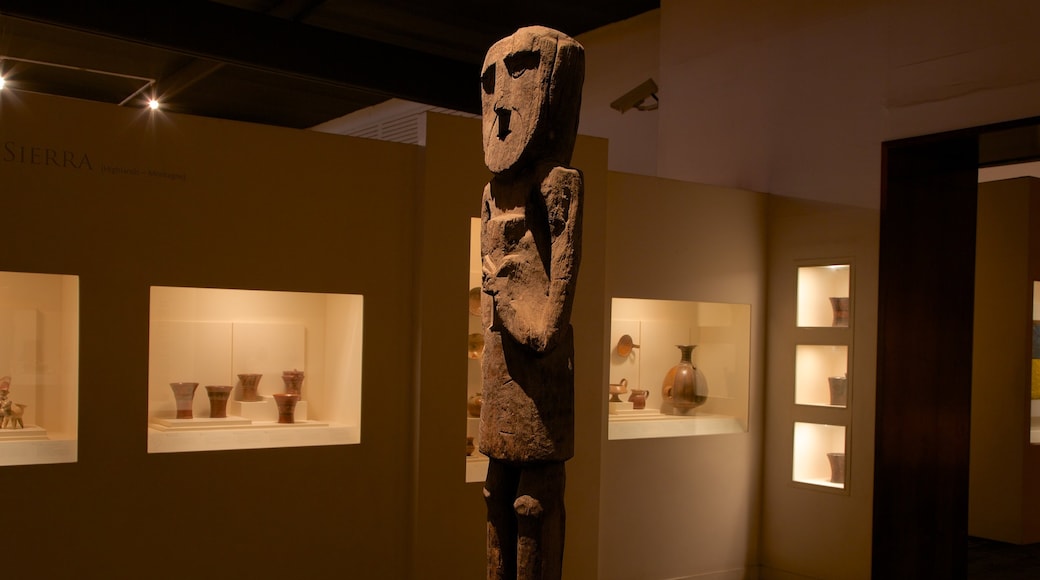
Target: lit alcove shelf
819, 455
645, 334
39, 362
219, 338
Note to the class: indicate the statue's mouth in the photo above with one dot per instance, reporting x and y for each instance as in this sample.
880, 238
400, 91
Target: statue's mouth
503, 123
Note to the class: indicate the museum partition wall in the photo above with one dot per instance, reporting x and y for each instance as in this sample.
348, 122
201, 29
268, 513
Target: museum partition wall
244, 334
156, 266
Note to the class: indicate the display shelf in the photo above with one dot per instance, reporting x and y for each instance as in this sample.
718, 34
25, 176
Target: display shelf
644, 337
821, 375
39, 368
213, 336
824, 299
819, 455
476, 464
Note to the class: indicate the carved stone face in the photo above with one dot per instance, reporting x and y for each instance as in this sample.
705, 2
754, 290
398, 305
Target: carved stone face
530, 82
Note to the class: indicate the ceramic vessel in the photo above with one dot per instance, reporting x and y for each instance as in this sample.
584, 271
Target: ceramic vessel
638, 398
218, 398
286, 406
625, 345
250, 384
475, 345
837, 461
839, 390
293, 382
616, 389
470, 447
473, 405
184, 394
840, 307
685, 386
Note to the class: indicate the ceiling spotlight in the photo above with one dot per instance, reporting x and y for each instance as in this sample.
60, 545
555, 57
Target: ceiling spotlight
153, 104
2, 81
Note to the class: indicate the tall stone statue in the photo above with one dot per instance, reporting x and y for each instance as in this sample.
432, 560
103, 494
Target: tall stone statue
530, 246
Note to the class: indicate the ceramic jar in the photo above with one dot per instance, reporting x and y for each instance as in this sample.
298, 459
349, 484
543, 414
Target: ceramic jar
638, 398
249, 386
839, 387
218, 398
184, 395
837, 461
293, 382
474, 404
286, 403
840, 308
685, 386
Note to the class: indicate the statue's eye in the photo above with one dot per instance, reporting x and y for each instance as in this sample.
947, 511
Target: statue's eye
520, 62
487, 80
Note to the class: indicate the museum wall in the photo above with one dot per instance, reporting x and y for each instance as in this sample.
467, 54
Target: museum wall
813, 525
679, 507
795, 98
126, 200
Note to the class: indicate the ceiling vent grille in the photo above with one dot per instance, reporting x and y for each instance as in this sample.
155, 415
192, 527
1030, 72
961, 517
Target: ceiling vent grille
394, 120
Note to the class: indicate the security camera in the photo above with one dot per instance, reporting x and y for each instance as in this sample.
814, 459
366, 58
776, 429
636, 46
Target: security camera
637, 98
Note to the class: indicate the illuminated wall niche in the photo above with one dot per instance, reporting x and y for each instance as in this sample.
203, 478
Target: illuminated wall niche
211, 336
644, 335
39, 360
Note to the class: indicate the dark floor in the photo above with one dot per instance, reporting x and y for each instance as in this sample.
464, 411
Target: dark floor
988, 559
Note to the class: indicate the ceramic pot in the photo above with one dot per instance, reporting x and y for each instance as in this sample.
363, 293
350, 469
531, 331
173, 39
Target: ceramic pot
184, 394
840, 308
474, 404
218, 398
685, 386
470, 447
616, 389
837, 461
638, 398
475, 345
286, 406
625, 346
293, 382
249, 384
839, 390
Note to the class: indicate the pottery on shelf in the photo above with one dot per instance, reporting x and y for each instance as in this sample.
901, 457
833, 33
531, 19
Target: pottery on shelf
475, 345
625, 346
473, 405
249, 384
184, 394
839, 390
286, 403
470, 447
685, 386
837, 461
218, 398
474, 301
616, 389
840, 308
638, 398
293, 382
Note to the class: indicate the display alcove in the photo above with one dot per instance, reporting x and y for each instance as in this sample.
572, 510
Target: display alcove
215, 337
39, 368
644, 336
823, 385
1034, 381
476, 462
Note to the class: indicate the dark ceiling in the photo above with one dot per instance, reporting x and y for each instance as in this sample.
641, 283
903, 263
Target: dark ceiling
292, 63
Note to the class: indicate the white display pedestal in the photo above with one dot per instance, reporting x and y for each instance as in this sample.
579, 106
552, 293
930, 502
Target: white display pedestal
648, 423
27, 432
204, 422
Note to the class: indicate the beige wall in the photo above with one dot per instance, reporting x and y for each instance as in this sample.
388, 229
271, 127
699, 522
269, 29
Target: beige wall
685, 506
253, 207
795, 98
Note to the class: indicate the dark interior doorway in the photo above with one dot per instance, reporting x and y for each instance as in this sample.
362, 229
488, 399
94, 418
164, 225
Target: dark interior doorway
925, 307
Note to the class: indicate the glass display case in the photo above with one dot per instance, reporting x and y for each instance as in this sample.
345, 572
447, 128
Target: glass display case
241, 369
476, 462
39, 368
678, 368
822, 377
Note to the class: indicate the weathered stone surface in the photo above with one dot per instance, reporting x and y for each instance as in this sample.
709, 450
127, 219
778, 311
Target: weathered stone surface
530, 249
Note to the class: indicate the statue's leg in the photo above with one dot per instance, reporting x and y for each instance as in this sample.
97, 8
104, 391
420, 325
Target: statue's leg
540, 522
499, 494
